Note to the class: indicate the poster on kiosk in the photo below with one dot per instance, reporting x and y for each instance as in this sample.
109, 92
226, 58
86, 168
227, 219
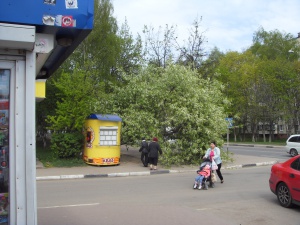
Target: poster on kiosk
4, 112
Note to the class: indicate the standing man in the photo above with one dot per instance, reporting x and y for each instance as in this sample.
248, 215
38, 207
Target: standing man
144, 149
154, 148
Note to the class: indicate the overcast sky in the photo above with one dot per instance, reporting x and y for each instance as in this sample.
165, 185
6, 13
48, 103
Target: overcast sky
228, 24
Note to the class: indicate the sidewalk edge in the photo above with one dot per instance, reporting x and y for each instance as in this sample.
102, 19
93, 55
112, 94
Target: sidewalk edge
145, 173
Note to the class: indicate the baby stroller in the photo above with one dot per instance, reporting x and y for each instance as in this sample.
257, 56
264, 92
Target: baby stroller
205, 179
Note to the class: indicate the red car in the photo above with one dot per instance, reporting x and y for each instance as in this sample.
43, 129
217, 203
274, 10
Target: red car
285, 181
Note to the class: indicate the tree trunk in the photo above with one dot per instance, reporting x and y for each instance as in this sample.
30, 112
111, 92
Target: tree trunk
264, 133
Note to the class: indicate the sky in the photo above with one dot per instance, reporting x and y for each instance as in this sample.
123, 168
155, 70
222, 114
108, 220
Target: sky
227, 24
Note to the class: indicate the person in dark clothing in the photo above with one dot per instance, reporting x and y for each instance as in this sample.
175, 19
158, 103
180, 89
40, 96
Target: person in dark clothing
144, 149
154, 148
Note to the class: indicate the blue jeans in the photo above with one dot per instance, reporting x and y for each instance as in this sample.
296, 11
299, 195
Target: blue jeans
199, 178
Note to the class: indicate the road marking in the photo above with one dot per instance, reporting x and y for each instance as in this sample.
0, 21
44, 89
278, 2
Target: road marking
202, 209
66, 206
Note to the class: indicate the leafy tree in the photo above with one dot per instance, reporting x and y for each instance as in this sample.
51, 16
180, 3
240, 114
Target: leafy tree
43, 109
259, 82
76, 103
271, 94
238, 74
282, 52
172, 103
130, 57
99, 52
274, 44
208, 68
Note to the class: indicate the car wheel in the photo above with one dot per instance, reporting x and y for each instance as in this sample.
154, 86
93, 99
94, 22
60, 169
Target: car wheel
293, 152
284, 196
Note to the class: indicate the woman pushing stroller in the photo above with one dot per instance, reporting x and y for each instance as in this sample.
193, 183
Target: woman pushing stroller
214, 153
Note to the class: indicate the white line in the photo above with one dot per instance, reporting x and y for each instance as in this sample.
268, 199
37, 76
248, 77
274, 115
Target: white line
203, 209
65, 206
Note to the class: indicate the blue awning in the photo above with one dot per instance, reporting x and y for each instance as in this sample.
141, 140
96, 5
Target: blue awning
66, 20
105, 117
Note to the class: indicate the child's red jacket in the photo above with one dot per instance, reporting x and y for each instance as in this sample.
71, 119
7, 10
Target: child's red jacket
205, 171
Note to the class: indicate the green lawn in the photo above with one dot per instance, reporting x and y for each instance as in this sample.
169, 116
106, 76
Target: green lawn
281, 142
49, 160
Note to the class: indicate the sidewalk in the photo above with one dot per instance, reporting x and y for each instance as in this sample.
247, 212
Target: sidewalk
131, 165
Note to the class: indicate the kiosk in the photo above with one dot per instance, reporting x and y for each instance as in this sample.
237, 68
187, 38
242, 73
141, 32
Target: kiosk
35, 39
103, 140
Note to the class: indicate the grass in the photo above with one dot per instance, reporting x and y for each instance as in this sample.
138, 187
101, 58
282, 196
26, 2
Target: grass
281, 142
46, 156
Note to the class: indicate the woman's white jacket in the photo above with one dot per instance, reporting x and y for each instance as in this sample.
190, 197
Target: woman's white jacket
217, 156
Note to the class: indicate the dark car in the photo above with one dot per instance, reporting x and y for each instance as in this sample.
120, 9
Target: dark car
285, 181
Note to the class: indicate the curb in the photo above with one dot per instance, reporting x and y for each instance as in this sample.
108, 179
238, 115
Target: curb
251, 164
145, 173
251, 145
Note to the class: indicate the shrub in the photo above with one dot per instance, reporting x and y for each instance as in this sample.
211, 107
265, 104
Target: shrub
67, 145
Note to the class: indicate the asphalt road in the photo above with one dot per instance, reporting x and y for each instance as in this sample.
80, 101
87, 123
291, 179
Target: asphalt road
277, 152
167, 199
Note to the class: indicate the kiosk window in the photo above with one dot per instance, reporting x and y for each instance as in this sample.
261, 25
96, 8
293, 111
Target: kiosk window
108, 136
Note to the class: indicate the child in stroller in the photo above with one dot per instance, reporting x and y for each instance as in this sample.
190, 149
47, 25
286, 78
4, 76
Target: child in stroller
203, 175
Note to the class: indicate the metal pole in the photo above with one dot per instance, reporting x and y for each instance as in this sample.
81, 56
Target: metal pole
227, 140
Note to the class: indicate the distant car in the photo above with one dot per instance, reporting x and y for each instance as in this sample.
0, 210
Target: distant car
293, 144
285, 181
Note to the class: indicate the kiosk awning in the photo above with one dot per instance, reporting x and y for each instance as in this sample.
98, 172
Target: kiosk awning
69, 22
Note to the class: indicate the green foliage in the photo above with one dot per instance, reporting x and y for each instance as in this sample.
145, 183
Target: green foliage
172, 103
77, 94
208, 66
262, 81
45, 108
108, 50
66, 145
237, 73
49, 159
274, 44
130, 58
81, 85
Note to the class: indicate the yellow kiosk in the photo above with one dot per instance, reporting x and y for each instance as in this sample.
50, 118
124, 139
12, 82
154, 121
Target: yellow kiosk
102, 145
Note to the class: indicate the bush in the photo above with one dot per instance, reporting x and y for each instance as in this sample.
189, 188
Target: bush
67, 145
173, 155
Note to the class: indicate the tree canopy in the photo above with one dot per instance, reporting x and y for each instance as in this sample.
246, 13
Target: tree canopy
261, 82
172, 103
